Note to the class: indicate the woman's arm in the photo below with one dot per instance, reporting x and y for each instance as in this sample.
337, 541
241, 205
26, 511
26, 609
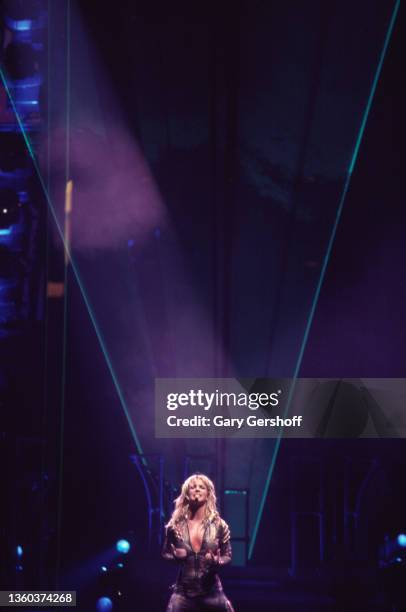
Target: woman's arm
170, 549
224, 553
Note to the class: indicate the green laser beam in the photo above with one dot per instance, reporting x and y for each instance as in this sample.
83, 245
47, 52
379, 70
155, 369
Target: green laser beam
324, 266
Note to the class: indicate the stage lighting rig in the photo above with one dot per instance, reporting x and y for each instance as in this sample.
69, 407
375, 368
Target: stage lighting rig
23, 76
392, 563
10, 206
26, 20
393, 551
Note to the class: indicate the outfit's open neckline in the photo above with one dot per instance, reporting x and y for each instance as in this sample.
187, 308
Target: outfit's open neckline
196, 552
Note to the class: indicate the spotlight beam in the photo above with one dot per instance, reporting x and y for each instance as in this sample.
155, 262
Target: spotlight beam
324, 266
75, 270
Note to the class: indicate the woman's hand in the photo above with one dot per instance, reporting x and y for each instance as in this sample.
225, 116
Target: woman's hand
214, 558
178, 553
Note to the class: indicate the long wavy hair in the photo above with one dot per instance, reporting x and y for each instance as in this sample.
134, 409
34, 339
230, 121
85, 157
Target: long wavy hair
182, 512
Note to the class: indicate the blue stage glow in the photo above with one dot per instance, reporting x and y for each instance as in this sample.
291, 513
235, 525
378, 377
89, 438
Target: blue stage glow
104, 604
19, 568
21, 25
6, 232
103, 568
28, 82
402, 539
123, 546
19, 551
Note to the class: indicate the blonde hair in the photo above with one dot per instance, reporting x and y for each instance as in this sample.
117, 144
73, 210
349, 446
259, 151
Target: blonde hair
181, 512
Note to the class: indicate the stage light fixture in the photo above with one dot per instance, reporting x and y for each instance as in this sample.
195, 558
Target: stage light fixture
123, 546
401, 539
103, 569
120, 565
391, 552
5, 232
24, 79
104, 604
19, 551
21, 25
9, 208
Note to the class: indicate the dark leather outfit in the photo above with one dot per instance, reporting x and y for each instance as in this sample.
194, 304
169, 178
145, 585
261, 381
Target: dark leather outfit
198, 586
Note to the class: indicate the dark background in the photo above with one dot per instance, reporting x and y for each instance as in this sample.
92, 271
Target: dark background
246, 116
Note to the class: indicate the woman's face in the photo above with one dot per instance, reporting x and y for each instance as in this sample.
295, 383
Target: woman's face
197, 491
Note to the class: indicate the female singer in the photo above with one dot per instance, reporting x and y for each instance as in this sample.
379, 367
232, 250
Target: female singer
198, 539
